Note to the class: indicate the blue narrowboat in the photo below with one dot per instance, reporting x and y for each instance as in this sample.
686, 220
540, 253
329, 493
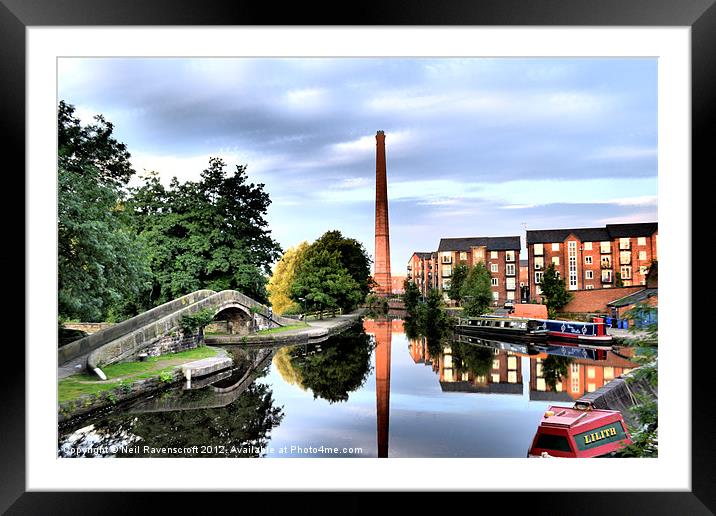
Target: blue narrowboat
591, 333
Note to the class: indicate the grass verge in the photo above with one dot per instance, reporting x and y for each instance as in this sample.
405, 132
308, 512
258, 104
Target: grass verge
126, 373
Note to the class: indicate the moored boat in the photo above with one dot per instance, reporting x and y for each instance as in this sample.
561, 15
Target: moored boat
509, 328
590, 333
579, 432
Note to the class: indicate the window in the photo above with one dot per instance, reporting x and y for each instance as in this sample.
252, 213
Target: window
494, 267
510, 269
510, 282
624, 257
538, 289
463, 257
446, 284
478, 254
641, 241
624, 243
510, 296
555, 261
625, 271
605, 247
495, 296
608, 373
606, 276
627, 283
606, 262
590, 286
643, 270
539, 263
496, 364
538, 277
587, 246
572, 254
539, 249
588, 260
493, 255
509, 256
555, 247
446, 258
588, 274
447, 271
494, 281
642, 255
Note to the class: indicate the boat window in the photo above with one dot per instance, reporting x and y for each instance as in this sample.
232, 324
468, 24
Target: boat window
553, 442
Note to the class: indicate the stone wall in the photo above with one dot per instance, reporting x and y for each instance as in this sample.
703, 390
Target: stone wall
174, 343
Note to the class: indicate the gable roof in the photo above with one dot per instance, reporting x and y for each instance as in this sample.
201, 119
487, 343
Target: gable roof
508, 243
632, 230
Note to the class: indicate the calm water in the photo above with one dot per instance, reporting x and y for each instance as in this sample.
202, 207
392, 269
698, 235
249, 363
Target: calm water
369, 392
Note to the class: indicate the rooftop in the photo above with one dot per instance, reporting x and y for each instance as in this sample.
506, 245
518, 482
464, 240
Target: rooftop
508, 243
607, 233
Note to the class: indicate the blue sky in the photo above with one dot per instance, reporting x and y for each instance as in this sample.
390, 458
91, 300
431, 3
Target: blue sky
475, 147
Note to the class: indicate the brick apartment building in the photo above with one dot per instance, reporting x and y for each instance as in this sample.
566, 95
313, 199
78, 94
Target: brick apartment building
590, 258
420, 271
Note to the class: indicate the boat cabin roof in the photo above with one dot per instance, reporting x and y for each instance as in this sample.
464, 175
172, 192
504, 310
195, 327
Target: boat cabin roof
573, 418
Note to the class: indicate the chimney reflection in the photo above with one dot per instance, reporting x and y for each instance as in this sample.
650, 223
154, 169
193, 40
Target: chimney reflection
382, 331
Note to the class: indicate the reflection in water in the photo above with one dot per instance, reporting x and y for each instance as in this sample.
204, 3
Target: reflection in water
330, 371
470, 397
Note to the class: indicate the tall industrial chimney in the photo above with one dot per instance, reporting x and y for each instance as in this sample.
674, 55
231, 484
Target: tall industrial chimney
382, 232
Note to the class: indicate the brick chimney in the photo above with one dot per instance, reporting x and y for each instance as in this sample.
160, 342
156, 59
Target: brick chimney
382, 231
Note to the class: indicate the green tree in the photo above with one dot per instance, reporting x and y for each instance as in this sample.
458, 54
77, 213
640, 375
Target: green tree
618, 281
459, 274
279, 286
210, 233
554, 290
100, 260
352, 256
554, 369
321, 282
476, 290
411, 297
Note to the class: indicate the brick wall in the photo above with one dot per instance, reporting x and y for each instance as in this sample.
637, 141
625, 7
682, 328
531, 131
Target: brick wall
587, 301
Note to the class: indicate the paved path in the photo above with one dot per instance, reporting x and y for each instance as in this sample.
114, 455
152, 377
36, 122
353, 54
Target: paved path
621, 334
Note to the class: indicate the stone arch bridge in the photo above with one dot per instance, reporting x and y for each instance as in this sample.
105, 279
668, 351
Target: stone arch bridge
129, 338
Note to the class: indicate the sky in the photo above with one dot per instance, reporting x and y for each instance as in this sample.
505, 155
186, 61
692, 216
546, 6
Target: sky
474, 146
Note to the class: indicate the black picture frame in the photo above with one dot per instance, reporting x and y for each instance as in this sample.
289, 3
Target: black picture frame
700, 15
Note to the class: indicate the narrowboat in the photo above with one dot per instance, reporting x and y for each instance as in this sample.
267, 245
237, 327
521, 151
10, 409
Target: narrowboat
509, 328
579, 432
585, 333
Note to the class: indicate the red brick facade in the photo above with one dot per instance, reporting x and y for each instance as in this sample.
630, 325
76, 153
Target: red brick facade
590, 258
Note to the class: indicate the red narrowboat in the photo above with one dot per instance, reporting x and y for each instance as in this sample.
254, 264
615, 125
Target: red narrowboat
579, 432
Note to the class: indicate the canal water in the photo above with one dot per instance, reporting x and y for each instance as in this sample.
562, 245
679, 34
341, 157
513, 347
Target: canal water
368, 392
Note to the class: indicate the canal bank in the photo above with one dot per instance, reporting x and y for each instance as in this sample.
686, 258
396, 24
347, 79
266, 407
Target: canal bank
81, 395
315, 331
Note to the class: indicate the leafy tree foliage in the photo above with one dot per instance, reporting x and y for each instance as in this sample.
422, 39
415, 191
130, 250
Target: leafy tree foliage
100, 260
323, 283
476, 290
459, 274
473, 359
279, 286
554, 369
351, 255
206, 234
411, 297
554, 290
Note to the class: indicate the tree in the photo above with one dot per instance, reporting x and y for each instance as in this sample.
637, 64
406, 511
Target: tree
352, 256
211, 233
279, 286
457, 279
476, 290
618, 281
411, 297
100, 260
554, 290
321, 282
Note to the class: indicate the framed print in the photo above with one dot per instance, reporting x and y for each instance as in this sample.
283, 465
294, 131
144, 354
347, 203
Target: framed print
215, 185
